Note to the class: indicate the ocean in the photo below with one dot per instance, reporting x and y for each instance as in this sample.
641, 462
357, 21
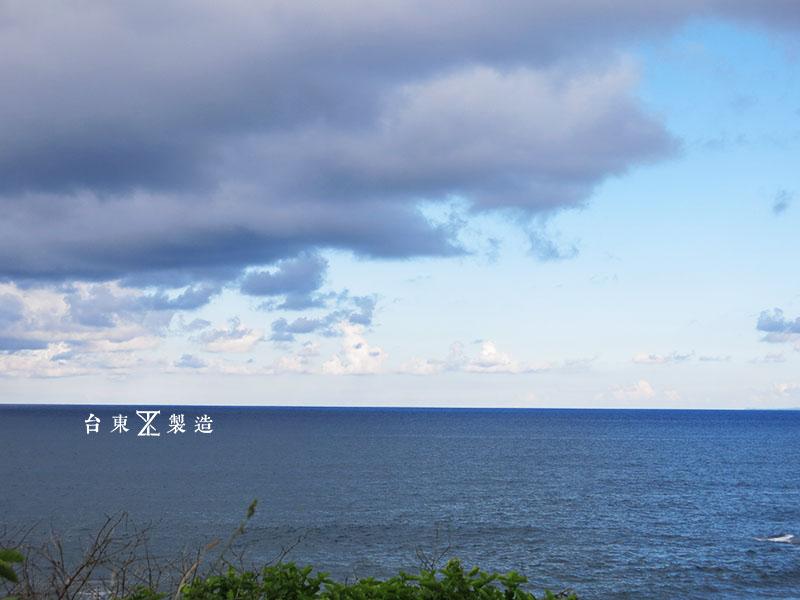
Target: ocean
644, 504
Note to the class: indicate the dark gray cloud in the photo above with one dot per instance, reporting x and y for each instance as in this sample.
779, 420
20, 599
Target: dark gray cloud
360, 312
295, 278
777, 327
193, 297
168, 240
173, 142
782, 15
182, 276
301, 302
12, 344
283, 330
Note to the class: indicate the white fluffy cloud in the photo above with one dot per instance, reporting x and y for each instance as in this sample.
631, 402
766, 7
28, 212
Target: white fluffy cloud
84, 328
356, 356
491, 360
299, 362
641, 390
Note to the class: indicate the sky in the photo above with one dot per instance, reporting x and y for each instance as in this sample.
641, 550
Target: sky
585, 204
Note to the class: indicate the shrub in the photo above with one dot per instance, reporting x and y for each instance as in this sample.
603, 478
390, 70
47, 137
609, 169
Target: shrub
117, 564
289, 582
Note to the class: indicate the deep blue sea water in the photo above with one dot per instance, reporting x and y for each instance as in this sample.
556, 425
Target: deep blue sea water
612, 503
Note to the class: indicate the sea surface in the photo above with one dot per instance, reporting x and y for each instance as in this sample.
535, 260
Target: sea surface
615, 504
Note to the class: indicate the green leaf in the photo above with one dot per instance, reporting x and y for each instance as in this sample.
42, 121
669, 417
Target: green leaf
11, 556
7, 572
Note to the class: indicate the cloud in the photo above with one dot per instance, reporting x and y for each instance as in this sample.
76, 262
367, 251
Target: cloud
299, 362
172, 142
180, 324
491, 360
356, 356
454, 361
294, 278
190, 299
63, 359
780, 14
418, 366
236, 338
168, 149
517, 138
778, 329
11, 309
44, 362
641, 390
284, 331
652, 358
781, 202
366, 309
189, 361
79, 328
705, 358
103, 305
771, 358
786, 388
546, 249
10, 344
12, 313
209, 139
125, 345
776, 323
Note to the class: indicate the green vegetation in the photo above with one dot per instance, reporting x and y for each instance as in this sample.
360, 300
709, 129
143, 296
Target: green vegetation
118, 560
289, 582
6, 569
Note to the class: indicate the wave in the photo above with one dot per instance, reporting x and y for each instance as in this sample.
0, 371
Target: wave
781, 539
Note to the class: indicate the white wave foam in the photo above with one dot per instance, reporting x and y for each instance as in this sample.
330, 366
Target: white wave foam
784, 539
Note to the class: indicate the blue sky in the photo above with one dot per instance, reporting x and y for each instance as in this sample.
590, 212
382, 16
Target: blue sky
571, 205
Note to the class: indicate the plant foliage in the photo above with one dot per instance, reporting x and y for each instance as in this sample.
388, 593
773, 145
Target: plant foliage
118, 564
290, 582
6, 569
